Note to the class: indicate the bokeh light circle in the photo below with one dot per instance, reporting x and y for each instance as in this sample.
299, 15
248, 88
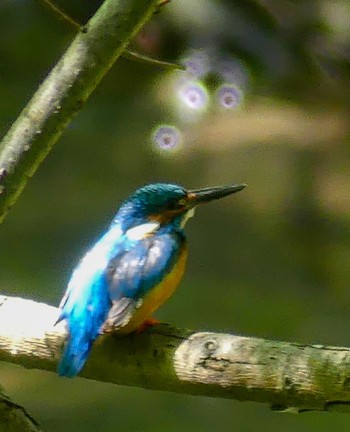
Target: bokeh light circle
166, 137
194, 95
228, 96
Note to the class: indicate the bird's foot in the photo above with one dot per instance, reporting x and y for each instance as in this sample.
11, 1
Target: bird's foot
150, 322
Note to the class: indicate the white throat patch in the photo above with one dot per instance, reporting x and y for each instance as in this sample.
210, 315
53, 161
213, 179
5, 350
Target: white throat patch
187, 215
140, 232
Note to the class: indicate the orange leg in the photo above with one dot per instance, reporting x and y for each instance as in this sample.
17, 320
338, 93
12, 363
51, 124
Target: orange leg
148, 323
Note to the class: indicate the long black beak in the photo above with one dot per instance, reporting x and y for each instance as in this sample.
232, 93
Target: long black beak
200, 196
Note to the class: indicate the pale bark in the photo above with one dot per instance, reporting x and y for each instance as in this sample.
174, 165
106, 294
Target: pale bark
288, 376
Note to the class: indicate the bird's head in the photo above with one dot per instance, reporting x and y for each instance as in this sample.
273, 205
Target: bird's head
165, 203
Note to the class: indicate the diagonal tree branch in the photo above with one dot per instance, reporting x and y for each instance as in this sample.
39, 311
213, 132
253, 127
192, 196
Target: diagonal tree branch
288, 376
65, 90
15, 418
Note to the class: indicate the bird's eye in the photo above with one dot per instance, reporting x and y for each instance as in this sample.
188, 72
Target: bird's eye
177, 205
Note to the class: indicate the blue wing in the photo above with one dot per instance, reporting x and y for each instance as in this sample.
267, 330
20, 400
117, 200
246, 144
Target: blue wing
131, 274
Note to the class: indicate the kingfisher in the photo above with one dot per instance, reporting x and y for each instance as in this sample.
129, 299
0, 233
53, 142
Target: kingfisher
132, 269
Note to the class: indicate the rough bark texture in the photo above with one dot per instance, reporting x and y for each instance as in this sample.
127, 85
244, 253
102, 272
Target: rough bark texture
65, 90
288, 376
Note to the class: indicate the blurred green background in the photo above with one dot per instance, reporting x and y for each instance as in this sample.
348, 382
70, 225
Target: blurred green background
270, 262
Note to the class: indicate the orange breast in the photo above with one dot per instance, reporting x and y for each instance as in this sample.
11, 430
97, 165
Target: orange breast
157, 295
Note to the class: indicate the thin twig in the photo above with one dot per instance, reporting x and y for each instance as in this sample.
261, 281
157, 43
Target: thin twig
62, 15
133, 55
129, 54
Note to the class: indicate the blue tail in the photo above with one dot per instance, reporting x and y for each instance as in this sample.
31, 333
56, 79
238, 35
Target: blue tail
86, 303
84, 320
76, 352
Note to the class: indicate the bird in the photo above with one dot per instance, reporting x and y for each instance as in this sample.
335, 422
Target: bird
132, 269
